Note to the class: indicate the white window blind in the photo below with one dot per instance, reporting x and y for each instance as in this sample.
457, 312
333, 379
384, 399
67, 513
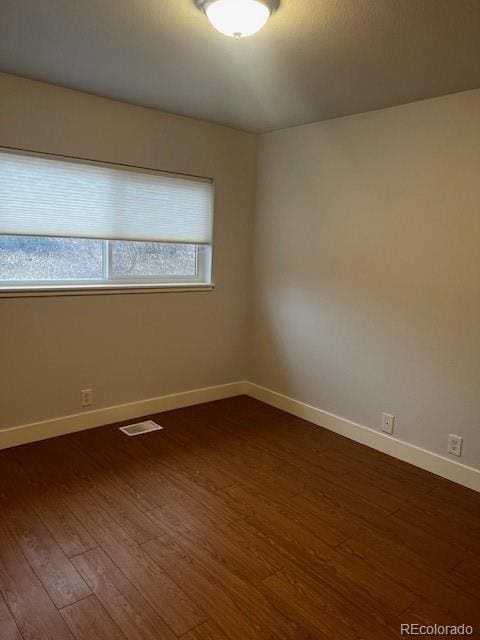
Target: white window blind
47, 196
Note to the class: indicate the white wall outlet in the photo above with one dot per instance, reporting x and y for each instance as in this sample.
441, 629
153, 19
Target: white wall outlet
87, 397
387, 422
455, 445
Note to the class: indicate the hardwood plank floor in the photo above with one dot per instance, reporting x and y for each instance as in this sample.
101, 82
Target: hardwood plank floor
8, 628
235, 522
88, 620
119, 597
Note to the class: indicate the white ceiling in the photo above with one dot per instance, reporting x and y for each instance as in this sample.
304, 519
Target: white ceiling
315, 59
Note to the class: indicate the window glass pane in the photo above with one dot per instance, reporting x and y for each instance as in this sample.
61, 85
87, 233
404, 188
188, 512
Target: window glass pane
143, 259
36, 258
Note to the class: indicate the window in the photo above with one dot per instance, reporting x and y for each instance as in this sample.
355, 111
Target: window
36, 261
77, 223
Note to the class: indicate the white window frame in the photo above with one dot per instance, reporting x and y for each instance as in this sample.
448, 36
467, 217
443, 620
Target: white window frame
125, 284
202, 278
203, 254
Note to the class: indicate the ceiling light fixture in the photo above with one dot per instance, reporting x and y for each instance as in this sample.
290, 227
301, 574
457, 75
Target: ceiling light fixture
238, 18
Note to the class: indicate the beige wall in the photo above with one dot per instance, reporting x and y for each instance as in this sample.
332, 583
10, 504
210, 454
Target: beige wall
127, 347
366, 278
367, 269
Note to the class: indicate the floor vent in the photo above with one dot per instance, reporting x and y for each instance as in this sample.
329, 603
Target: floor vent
139, 428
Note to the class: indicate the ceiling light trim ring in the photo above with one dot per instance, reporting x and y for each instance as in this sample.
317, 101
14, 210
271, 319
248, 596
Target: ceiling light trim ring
272, 5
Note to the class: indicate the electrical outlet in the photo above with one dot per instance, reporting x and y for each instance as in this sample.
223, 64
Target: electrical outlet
87, 397
387, 422
455, 445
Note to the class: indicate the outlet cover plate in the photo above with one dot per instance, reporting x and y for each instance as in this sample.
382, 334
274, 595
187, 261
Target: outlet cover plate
87, 397
455, 445
387, 423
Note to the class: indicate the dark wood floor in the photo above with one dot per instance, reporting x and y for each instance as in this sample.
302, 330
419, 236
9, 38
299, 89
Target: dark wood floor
237, 521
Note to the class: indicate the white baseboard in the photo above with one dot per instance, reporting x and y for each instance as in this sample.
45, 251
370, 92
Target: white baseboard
79, 421
445, 467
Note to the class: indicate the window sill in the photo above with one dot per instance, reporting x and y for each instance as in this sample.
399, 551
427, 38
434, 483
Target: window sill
100, 289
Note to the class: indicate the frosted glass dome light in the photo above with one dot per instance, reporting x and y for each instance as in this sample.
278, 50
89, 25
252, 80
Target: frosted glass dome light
238, 18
